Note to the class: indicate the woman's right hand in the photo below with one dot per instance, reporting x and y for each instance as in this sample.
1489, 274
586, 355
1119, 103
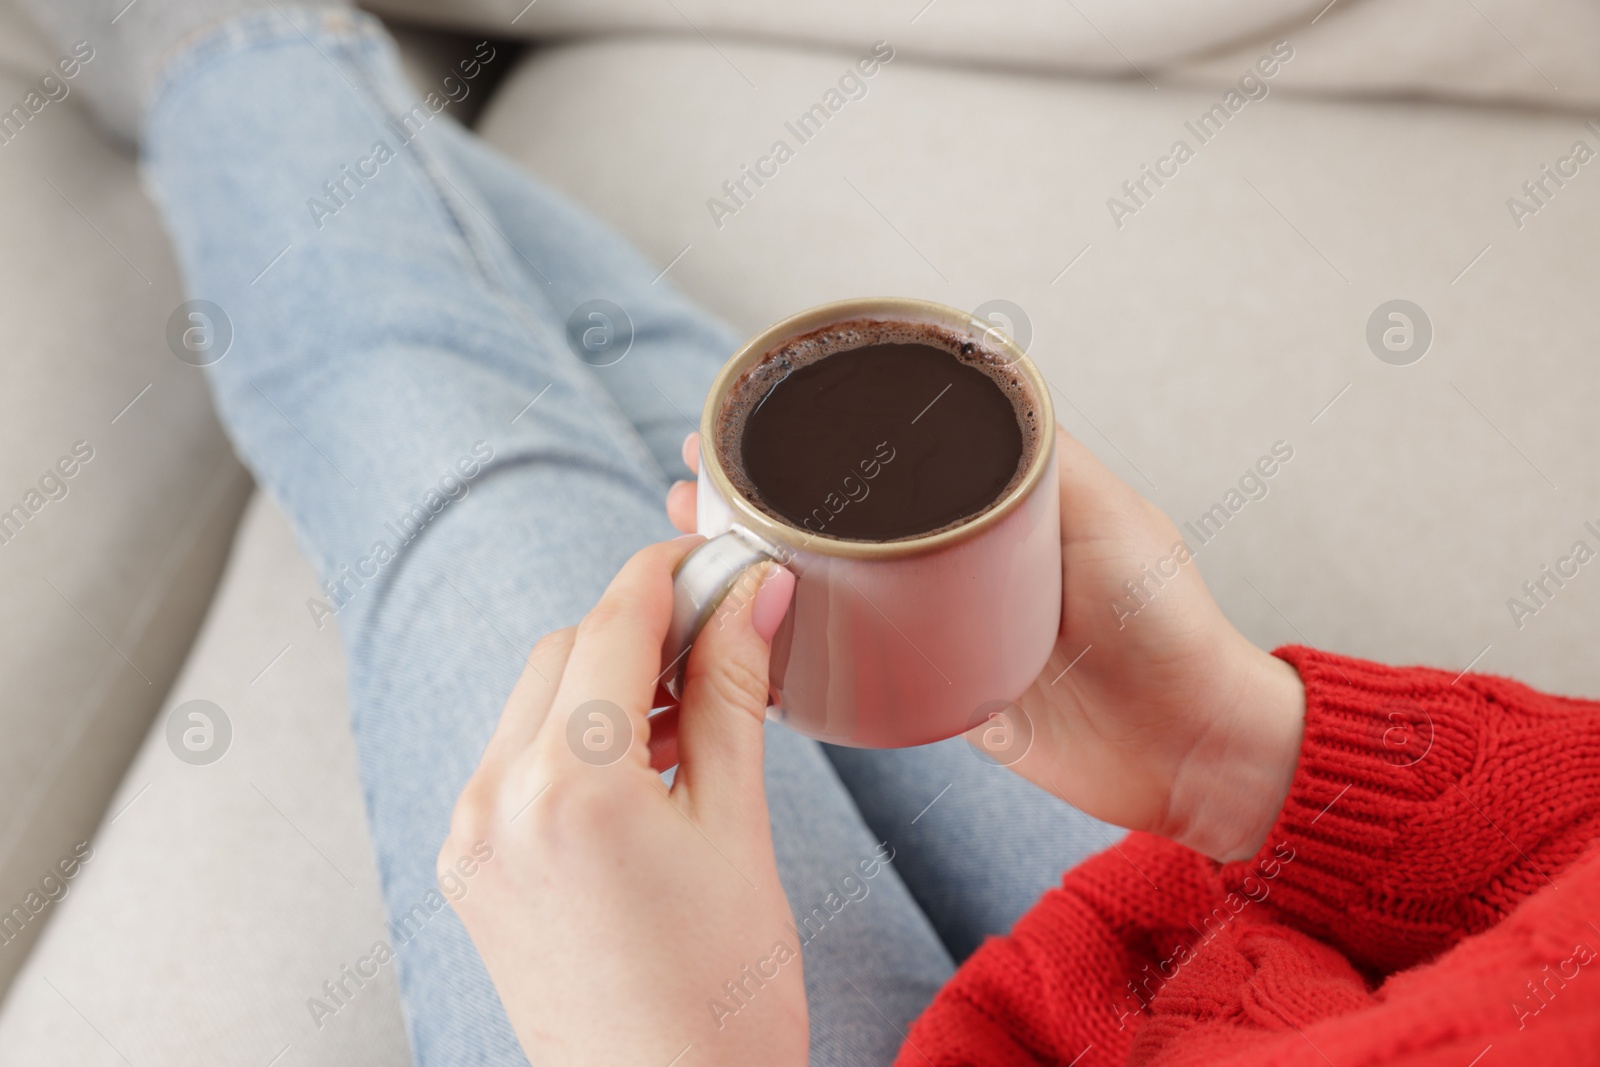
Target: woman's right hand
1167, 720
614, 913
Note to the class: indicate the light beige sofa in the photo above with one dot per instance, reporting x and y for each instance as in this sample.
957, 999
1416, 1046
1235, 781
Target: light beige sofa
1215, 314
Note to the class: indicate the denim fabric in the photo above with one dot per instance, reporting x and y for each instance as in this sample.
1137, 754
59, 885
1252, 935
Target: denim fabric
399, 379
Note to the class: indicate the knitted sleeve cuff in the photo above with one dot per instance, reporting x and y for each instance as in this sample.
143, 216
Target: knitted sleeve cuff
1424, 806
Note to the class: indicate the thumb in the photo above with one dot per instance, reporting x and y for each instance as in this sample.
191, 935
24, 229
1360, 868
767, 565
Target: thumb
725, 692
1096, 505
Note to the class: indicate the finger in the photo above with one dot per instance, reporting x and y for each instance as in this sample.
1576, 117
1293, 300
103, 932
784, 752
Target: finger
530, 699
682, 500
691, 451
1095, 503
497, 784
664, 739
725, 699
610, 678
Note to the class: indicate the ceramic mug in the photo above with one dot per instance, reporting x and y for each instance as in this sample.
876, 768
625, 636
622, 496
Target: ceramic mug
889, 643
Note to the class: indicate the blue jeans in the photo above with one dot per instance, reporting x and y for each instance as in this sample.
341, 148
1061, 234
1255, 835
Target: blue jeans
400, 379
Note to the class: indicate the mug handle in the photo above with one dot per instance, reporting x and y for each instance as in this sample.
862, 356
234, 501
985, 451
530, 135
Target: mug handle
700, 583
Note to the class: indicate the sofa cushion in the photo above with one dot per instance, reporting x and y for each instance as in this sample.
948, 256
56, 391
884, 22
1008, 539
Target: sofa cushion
227, 883
1024, 33
118, 492
1532, 51
1488, 51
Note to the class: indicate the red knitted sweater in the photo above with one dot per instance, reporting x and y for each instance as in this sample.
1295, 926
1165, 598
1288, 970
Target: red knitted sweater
1429, 895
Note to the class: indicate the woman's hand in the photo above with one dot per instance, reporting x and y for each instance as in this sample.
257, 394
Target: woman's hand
1171, 721
1168, 720
612, 912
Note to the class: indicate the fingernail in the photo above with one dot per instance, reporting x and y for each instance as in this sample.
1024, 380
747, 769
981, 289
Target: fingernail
772, 601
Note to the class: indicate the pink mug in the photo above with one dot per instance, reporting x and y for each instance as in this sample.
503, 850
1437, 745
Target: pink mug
892, 643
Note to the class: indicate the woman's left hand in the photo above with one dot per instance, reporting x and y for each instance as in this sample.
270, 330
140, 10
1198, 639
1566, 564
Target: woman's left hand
613, 912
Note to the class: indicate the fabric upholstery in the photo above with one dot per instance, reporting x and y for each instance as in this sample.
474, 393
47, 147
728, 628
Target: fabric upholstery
107, 572
1528, 51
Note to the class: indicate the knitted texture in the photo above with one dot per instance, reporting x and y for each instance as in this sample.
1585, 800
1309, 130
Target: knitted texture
1430, 894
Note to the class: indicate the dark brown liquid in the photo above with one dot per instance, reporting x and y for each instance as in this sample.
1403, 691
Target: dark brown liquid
883, 441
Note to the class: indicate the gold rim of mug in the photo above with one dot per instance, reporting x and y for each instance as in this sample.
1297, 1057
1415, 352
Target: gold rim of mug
899, 309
